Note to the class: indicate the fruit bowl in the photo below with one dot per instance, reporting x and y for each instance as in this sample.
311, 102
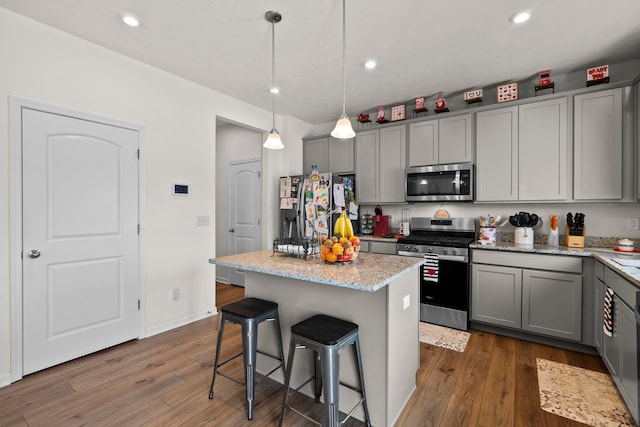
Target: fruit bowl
340, 250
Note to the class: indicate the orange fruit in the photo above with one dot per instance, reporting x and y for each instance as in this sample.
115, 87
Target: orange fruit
331, 257
343, 240
337, 249
323, 255
355, 240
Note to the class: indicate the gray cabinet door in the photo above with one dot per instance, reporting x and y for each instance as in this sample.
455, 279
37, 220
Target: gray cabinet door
611, 345
315, 152
423, 143
598, 146
340, 155
497, 155
552, 304
388, 248
496, 295
455, 140
392, 161
367, 166
628, 357
543, 158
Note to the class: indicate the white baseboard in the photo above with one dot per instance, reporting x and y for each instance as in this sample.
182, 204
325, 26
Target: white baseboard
5, 379
180, 322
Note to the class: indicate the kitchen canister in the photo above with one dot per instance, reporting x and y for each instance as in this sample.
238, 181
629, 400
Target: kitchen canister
487, 236
524, 236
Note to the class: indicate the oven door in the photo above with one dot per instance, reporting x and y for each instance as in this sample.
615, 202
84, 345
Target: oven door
451, 290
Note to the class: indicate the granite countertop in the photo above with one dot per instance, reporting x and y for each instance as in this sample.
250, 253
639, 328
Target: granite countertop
369, 272
605, 255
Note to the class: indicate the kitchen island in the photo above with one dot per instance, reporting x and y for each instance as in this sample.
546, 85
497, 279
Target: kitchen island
378, 292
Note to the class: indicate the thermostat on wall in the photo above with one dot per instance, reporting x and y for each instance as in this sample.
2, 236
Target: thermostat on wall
181, 189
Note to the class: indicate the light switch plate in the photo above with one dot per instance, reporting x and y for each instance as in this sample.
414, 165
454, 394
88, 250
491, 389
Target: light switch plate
202, 220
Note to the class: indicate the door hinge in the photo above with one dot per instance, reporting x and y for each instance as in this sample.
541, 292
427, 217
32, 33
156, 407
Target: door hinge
258, 222
138, 304
138, 153
138, 228
258, 175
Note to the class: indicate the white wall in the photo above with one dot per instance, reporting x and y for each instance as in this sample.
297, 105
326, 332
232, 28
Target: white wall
179, 118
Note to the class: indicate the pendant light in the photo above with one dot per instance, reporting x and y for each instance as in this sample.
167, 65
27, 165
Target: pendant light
273, 141
343, 129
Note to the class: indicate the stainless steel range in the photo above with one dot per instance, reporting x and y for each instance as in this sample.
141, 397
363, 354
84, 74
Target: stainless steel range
445, 275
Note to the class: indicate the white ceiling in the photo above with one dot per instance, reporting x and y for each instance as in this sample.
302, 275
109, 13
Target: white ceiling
422, 47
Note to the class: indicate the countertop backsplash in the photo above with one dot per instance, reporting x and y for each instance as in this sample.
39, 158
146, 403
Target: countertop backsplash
541, 239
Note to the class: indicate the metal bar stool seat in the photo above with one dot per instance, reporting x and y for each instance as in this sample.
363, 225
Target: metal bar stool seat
326, 336
248, 313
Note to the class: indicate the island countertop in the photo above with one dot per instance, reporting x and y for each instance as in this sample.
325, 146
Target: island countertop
369, 272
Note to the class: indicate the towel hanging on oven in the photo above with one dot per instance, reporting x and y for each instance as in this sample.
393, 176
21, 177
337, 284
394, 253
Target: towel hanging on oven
607, 325
431, 267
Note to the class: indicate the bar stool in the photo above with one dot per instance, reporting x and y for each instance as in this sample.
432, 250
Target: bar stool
248, 313
326, 336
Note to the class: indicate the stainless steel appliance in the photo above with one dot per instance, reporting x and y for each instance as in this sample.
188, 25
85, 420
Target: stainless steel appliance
444, 279
452, 182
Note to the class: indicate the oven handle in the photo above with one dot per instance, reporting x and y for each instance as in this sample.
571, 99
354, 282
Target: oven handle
455, 258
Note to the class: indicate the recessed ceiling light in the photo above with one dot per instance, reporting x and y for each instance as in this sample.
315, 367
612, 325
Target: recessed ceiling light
130, 20
521, 17
370, 64
275, 90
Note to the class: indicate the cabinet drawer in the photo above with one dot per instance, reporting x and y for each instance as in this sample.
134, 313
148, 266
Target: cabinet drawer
382, 248
535, 261
625, 290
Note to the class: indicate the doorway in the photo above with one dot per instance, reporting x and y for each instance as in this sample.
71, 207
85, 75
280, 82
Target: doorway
77, 197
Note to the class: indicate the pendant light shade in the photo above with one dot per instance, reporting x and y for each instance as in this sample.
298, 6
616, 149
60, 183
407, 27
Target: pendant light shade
343, 127
273, 141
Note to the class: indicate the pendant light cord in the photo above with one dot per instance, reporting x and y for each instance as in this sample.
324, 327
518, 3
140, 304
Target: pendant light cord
344, 56
273, 70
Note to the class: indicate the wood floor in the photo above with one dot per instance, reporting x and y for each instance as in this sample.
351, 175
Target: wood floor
164, 381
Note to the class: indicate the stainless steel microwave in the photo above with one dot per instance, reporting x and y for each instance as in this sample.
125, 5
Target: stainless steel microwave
440, 183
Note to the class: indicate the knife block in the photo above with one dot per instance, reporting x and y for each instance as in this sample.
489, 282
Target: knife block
575, 241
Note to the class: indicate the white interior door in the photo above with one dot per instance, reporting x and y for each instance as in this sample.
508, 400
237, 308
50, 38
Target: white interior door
245, 199
80, 237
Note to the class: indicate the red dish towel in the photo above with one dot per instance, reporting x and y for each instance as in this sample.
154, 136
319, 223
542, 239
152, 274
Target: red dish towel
431, 266
607, 326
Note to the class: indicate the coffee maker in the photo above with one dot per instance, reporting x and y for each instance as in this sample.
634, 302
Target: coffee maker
380, 223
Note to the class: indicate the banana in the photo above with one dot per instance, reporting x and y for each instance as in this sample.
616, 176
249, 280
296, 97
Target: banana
349, 227
339, 227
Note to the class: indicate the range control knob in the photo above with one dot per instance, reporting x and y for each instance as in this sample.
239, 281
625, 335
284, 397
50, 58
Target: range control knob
429, 250
407, 248
444, 252
454, 252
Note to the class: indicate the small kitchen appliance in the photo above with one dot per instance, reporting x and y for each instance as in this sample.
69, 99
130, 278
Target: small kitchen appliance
381, 225
366, 224
451, 182
445, 275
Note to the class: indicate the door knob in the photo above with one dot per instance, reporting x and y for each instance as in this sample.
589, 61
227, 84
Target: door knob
231, 230
34, 253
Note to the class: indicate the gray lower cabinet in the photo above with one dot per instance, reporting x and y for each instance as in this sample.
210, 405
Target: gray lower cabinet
530, 299
496, 295
620, 351
552, 304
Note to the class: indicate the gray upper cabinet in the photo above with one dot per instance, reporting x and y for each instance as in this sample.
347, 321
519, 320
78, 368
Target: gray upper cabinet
522, 152
329, 154
455, 139
341, 155
315, 152
441, 141
598, 145
497, 155
543, 150
380, 165
423, 143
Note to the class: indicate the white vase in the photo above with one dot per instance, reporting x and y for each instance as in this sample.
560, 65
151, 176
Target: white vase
524, 236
